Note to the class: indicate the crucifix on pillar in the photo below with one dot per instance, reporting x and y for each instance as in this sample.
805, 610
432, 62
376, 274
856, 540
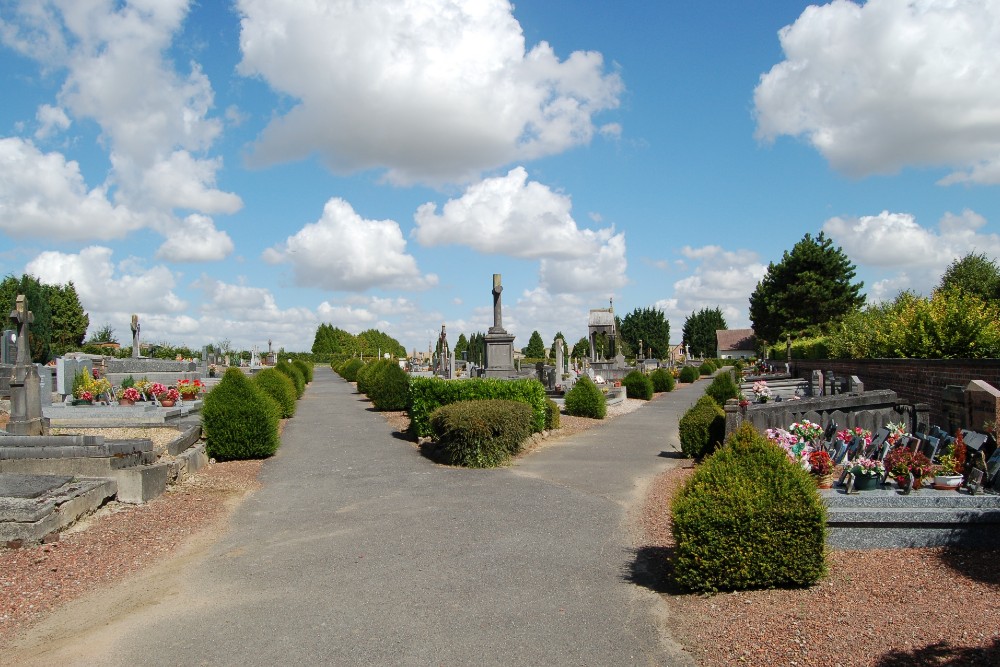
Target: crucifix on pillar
24, 318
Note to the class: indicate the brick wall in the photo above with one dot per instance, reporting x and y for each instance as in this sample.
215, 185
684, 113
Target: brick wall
915, 380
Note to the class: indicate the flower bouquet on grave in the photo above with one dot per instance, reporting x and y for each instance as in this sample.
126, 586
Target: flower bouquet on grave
821, 467
796, 449
867, 473
807, 431
901, 462
129, 396
189, 389
168, 397
761, 391
849, 434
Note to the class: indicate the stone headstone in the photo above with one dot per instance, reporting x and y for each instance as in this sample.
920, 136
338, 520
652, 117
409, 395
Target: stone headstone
66, 370
45, 377
830, 387
855, 385
816, 383
25, 385
982, 401
135, 336
560, 362
8, 347
499, 343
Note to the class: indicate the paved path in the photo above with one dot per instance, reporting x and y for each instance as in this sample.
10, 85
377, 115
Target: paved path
358, 551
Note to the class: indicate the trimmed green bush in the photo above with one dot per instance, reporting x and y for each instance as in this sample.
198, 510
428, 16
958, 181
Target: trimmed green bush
280, 387
702, 428
305, 368
722, 388
638, 385
349, 369
551, 415
363, 374
239, 419
481, 433
389, 387
706, 368
748, 518
689, 374
429, 394
294, 374
663, 380
586, 400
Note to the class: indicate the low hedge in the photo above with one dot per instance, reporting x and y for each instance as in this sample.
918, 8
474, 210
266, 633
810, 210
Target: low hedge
706, 368
722, 388
748, 518
305, 368
480, 433
702, 428
280, 387
389, 387
349, 369
638, 385
429, 394
295, 375
586, 400
663, 380
551, 415
689, 374
240, 420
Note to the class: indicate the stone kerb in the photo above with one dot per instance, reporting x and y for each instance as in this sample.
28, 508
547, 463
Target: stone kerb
870, 410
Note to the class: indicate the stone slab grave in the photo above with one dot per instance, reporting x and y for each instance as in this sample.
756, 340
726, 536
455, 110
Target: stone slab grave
35, 506
141, 414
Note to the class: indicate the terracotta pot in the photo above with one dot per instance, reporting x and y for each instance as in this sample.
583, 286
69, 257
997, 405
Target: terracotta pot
168, 403
189, 397
125, 401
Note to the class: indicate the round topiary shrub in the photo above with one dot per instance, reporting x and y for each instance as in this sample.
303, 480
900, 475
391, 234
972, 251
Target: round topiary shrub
280, 387
707, 368
294, 374
240, 420
349, 369
702, 428
480, 434
748, 518
305, 368
551, 415
689, 374
389, 387
638, 385
722, 388
586, 400
367, 372
663, 380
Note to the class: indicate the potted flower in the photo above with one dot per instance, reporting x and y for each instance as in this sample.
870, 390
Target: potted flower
129, 396
168, 397
902, 462
189, 389
948, 474
212, 370
807, 430
761, 391
867, 473
821, 467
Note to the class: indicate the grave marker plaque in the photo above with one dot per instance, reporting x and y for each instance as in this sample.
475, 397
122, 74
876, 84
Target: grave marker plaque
982, 401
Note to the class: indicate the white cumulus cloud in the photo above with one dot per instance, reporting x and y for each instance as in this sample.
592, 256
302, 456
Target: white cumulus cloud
889, 84
343, 251
432, 90
721, 279
195, 239
603, 272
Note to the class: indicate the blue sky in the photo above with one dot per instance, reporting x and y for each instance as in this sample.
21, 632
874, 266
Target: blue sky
244, 171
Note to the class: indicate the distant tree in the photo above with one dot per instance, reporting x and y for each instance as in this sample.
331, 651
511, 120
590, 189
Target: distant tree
461, 345
535, 348
69, 320
374, 342
651, 327
40, 329
700, 328
333, 340
807, 290
477, 349
975, 274
581, 350
552, 349
104, 334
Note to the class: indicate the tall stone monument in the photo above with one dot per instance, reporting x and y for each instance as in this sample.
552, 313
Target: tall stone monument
444, 364
499, 343
25, 384
135, 336
560, 363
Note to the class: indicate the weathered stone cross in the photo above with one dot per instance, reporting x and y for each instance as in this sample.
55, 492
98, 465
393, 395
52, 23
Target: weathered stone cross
24, 318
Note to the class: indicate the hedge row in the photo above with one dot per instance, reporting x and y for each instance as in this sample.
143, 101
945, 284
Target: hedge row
702, 428
429, 394
480, 433
748, 518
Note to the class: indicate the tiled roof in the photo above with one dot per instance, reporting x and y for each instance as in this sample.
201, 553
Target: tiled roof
735, 339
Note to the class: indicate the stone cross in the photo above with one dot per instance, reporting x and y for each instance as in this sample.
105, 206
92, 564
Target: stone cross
497, 315
24, 318
135, 336
560, 365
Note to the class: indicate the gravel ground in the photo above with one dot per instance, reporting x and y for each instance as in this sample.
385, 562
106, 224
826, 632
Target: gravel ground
884, 608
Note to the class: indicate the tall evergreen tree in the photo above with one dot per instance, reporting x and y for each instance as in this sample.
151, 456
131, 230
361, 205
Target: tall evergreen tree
40, 329
581, 350
461, 345
477, 349
700, 328
69, 320
807, 290
552, 350
651, 327
535, 348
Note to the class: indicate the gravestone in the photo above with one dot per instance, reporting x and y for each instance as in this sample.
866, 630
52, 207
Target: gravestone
856, 386
953, 407
560, 363
499, 343
816, 383
45, 376
8, 347
830, 387
67, 369
135, 336
25, 385
982, 401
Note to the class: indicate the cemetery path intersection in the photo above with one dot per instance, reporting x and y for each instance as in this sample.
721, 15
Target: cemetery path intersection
357, 550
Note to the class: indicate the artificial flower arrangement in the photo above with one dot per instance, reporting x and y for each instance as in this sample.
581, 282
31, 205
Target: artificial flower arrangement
807, 430
190, 387
158, 390
798, 450
864, 467
903, 461
131, 394
896, 432
820, 463
849, 434
762, 391
168, 395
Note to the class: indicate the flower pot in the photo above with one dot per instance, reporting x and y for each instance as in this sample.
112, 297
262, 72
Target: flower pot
947, 482
189, 397
865, 482
824, 481
125, 401
82, 402
168, 403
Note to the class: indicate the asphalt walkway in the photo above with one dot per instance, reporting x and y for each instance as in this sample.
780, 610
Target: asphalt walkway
359, 551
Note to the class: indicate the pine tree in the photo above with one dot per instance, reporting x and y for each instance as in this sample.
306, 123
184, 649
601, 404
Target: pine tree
651, 327
69, 320
700, 328
535, 348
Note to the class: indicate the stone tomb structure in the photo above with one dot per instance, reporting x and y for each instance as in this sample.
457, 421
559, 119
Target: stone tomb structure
602, 322
499, 343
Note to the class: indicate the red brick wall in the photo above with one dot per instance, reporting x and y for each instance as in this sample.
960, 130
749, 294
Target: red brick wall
915, 380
